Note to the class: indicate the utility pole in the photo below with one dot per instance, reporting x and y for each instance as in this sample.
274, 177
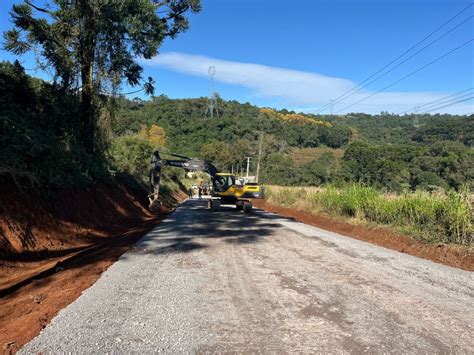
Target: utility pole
248, 163
259, 156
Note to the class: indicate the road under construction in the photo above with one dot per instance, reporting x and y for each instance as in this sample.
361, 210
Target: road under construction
260, 282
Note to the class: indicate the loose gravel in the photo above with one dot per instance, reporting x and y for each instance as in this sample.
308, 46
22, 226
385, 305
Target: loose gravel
229, 281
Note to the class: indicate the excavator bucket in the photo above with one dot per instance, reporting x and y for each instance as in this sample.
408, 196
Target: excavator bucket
155, 204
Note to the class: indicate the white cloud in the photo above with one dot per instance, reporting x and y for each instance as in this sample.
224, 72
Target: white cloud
304, 91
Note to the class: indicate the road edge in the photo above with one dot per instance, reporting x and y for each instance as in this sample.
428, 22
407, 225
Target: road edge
450, 255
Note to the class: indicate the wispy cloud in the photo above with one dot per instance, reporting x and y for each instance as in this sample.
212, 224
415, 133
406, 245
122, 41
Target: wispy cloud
304, 91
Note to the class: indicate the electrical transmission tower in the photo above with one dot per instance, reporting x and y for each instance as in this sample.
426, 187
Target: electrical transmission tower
416, 120
213, 95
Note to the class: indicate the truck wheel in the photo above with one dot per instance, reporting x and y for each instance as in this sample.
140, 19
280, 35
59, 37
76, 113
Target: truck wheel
247, 206
215, 205
239, 205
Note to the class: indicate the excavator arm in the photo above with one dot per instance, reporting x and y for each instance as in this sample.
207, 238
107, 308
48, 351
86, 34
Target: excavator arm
190, 164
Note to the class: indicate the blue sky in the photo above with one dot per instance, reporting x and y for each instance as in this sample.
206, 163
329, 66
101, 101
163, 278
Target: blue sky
303, 53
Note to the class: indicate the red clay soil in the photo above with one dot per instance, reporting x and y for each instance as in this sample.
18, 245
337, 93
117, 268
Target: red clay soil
451, 255
53, 249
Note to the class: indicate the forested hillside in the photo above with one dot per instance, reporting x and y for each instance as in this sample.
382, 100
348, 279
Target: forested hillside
406, 129
386, 151
40, 142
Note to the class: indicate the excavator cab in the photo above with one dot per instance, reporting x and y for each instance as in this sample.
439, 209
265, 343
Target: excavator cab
230, 191
223, 181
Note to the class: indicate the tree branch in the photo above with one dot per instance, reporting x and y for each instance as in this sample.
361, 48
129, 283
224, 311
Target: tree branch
40, 8
121, 93
161, 3
175, 14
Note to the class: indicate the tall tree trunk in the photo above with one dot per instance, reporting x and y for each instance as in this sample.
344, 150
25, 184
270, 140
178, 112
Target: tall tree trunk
86, 51
88, 108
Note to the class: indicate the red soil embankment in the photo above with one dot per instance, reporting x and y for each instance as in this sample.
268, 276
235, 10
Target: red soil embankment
451, 255
52, 248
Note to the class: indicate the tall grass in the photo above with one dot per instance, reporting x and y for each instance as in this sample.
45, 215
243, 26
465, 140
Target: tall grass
435, 217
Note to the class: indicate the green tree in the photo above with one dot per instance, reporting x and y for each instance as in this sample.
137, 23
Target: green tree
320, 170
132, 154
428, 180
337, 136
218, 153
96, 43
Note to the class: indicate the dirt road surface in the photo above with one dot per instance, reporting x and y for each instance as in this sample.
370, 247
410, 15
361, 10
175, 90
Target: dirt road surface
229, 281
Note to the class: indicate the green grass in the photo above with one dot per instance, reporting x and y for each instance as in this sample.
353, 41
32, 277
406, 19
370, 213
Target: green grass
441, 217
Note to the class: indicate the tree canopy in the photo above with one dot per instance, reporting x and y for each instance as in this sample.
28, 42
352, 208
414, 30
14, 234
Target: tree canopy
385, 151
93, 45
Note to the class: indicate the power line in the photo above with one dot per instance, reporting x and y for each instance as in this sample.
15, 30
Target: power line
360, 85
443, 102
450, 104
443, 98
416, 108
384, 104
407, 59
408, 75
404, 53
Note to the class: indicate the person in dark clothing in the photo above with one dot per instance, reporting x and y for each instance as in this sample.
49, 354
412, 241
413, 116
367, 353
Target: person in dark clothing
190, 193
200, 192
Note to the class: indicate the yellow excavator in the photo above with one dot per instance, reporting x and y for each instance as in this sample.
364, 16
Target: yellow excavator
225, 188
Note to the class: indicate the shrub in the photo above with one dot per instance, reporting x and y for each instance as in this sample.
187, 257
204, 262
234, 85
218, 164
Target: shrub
132, 154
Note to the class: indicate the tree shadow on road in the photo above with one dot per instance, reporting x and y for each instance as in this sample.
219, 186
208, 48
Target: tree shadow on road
187, 228
181, 232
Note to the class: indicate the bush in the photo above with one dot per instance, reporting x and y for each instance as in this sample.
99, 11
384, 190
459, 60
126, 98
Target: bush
132, 154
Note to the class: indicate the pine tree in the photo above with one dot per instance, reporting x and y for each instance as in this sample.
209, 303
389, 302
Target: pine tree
93, 45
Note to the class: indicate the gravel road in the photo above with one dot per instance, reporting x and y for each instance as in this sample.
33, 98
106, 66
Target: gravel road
233, 282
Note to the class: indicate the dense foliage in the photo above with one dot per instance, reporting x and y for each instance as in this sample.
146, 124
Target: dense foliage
442, 164
39, 132
58, 134
385, 151
189, 129
94, 45
406, 129
40, 140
